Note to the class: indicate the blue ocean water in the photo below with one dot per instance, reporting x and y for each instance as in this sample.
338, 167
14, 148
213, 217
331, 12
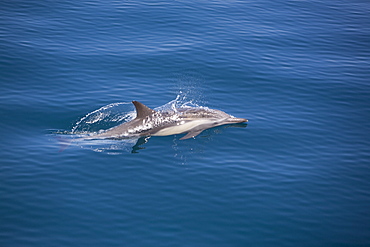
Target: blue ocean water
297, 175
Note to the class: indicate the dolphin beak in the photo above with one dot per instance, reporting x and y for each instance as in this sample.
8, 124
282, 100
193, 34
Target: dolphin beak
238, 120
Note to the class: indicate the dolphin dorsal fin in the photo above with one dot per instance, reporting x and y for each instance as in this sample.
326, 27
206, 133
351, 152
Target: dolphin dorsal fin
142, 110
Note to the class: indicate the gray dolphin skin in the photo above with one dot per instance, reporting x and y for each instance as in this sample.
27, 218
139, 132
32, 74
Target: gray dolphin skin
188, 120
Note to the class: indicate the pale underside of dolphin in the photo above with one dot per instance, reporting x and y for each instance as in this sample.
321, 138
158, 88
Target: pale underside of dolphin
149, 122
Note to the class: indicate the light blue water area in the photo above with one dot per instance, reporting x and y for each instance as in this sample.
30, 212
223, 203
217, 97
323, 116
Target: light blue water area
296, 175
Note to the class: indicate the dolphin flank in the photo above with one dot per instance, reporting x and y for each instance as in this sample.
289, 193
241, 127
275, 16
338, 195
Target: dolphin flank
149, 122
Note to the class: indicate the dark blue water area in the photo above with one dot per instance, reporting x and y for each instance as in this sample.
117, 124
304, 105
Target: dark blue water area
296, 175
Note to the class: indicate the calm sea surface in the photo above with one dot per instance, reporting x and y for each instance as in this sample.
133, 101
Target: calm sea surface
297, 175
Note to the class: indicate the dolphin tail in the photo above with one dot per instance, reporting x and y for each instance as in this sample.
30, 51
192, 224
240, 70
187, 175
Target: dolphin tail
63, 143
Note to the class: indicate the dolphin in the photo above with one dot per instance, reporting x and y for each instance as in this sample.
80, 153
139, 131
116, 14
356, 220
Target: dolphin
149, 122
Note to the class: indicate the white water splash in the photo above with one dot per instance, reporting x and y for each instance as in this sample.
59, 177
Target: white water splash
104, 118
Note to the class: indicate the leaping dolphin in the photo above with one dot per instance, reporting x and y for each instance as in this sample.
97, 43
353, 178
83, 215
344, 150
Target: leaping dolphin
149, 122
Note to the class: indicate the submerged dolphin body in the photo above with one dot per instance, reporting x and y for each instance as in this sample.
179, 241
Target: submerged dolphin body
155, 123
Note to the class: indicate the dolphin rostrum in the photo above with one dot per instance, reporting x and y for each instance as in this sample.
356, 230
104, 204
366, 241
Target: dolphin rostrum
149, 122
